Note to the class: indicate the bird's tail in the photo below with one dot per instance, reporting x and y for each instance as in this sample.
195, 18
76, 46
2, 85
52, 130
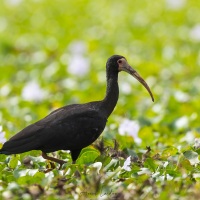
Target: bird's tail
4, 152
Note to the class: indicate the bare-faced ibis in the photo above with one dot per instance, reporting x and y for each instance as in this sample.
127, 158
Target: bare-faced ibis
75, 126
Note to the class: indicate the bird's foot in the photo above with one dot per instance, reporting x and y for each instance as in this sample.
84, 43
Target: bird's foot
61, 162
47, 170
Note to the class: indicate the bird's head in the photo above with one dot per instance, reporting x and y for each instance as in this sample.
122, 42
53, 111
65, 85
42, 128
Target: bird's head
117, 63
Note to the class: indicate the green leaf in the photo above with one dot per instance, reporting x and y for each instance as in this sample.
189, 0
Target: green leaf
13, 162
88, 156
185, 163
20, 172
147, 136
192, 156
112, 165
169, 151
150, 163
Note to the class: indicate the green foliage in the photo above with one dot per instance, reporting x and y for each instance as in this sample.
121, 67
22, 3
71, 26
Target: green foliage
161, 40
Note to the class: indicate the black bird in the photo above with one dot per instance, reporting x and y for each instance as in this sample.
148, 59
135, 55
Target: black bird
75, 126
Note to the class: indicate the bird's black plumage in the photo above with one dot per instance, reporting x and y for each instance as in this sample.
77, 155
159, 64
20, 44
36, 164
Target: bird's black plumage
75, 126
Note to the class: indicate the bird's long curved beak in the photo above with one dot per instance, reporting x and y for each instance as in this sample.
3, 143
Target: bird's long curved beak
127, 68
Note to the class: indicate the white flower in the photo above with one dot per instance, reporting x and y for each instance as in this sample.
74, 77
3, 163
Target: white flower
182, 122
175, 4
168, 52
127, 163
131, 128
97, 165
77, 47
197, 143
3, 24
78, 65
38, 57
126, 88
13, 2
33, 92
2, 135
189, 137
181, 96
195, 33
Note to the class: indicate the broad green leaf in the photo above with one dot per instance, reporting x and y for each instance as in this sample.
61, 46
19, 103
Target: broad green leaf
192, 156
112, 165
13, 162
147, 136
88, 157
150, 163
20, 172
185, 163
169, 151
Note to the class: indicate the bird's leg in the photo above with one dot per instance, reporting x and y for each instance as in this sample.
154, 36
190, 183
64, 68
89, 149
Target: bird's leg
75, 154
61, 162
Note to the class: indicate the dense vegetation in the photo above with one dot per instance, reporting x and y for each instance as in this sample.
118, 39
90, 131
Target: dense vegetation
53, 53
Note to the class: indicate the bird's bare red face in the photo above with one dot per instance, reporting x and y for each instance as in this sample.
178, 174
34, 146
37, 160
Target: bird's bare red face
124, 66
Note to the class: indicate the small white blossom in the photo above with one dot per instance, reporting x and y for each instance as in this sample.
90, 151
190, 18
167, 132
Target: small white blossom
181, 96
78, 65
38, 57
182, 122
3, 24
175, 4
127, 163
97, 165
195, 33
197, 143
77, 47
126, 88
189, 137
33, 92
13, 2
131, 128
169, 178
2, 135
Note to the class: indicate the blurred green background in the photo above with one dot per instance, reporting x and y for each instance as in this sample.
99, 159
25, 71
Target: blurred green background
53, 53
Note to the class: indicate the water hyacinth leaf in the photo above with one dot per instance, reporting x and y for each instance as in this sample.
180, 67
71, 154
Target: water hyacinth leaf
131, 152
156, 174
169, 151
144, 170
13, 162
173, 173
90, 148
185, 163
88, 157
196, 176
20, 173
125, 141
2, 157
192, 156
146, 135
112, 165
103, 159
37, 178
150, 163
135, 169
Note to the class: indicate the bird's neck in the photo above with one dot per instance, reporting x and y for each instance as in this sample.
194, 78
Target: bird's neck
112, 94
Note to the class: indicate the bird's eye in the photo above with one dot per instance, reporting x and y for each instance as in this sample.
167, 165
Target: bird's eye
119, 61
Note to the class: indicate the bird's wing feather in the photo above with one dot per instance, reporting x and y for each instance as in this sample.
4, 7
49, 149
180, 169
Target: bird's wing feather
74, 128
64, 127
23, 141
